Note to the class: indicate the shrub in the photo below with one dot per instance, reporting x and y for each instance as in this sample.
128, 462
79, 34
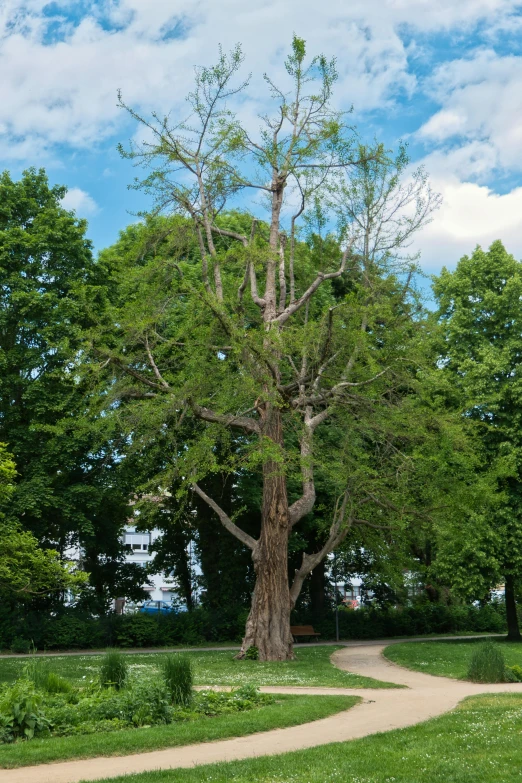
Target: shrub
177, 670
20, 713
20, 645
113, 670
487, 664
514, 673
252, 654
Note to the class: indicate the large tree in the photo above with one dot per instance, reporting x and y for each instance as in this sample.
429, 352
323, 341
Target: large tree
480, 312
246, 335
66, 491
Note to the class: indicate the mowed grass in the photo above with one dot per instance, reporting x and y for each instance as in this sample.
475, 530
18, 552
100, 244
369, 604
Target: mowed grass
217, 667
448, 659
286, 711
479, 741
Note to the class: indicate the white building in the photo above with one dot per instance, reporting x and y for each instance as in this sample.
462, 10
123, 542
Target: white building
138, 550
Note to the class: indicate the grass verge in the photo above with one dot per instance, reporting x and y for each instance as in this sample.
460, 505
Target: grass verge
447, 659
287, 711
480, 740
311, 667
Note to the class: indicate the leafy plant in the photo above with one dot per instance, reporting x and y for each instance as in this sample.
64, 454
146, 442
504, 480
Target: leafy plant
113, 670
20, 711
252, 654
487, 664
179, 677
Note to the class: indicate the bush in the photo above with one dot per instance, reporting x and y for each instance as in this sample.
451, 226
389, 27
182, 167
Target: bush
252, 654
20, 645
113, 670
487, 664
373, 623
177, 670
74, 628
514, 673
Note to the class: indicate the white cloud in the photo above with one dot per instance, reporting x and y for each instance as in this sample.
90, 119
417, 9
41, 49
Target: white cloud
78, 200
65, 92
481, 100
470, 215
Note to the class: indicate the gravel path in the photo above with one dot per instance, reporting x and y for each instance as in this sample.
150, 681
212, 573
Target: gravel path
424, 697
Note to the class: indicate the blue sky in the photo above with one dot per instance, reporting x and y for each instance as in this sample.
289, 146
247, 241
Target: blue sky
445, 75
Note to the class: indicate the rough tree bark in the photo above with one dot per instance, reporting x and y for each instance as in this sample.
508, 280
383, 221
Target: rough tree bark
268, 623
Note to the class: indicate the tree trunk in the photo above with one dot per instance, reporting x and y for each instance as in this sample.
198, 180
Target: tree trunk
511, 611
268, 624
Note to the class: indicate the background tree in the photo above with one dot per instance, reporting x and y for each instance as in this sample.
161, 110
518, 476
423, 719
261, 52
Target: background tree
480, 312
248, 337
27, 570
66, 489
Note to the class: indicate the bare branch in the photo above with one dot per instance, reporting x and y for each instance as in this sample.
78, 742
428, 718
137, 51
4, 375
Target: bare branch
338, 532
228, 420
253, 287
226, 233
344, 384
225, 519
321, 277
282, 273
154, 365
305, 503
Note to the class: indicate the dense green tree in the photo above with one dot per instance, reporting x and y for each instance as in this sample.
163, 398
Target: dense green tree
66, 491
26, 569
247, 336
480, 312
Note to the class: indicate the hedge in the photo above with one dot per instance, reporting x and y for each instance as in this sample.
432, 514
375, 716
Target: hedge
75, 630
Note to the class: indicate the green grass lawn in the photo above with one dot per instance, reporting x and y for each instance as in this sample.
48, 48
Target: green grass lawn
450, 659
312, 667
479, 741
286, 711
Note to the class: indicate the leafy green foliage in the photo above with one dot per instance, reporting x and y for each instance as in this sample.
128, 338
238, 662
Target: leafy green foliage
20, 645
51, 291
114, 669
514, 673
179, 677
20, 712
487, 664
480, 317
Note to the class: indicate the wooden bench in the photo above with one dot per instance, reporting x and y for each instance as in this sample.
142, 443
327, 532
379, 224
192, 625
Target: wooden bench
302, 630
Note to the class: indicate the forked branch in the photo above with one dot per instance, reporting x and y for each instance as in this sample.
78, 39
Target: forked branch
228, 420
293, 307
341, 524
305, 503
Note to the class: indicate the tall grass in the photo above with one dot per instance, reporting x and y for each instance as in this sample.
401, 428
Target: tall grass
487, 664
37, 670
179, 676
114, 670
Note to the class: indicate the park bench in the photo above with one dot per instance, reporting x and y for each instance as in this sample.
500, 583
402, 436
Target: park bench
302, 630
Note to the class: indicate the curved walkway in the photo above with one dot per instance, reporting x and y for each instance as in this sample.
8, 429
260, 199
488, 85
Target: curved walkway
424, 697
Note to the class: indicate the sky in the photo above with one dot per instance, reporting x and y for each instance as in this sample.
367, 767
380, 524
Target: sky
443, 75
